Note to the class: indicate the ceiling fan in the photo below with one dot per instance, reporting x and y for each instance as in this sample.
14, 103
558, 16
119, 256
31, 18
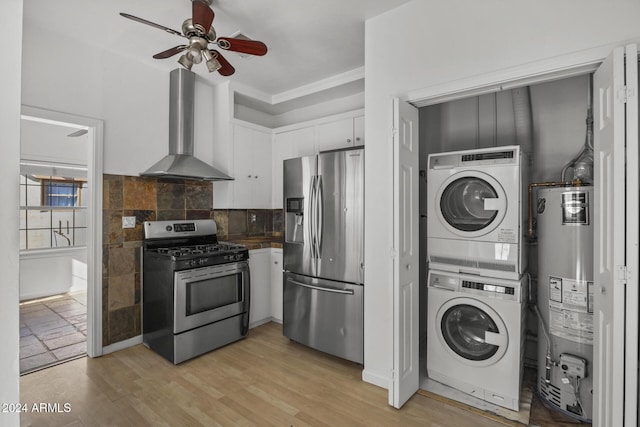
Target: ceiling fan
200, 33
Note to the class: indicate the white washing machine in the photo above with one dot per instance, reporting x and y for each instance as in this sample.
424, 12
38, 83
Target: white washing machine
475, 335
476, 212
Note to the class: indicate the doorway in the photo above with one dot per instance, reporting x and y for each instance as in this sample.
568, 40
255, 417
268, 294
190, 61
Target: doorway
60, 238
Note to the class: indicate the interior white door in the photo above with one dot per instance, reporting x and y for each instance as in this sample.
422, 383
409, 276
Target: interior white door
632, 234
405, 254
611, 227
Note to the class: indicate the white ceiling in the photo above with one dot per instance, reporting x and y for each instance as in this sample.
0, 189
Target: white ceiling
308, 40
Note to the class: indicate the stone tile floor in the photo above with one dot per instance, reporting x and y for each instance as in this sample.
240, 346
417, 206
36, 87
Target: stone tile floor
52, 330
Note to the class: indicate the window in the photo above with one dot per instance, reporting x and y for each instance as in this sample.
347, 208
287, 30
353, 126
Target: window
52, 212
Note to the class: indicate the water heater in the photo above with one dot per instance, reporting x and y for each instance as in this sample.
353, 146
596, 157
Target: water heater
565, 299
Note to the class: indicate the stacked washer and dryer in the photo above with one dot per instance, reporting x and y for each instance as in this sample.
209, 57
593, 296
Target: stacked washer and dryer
477, 288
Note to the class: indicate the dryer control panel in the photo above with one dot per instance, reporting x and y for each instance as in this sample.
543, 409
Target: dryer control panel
489, 288
505, 289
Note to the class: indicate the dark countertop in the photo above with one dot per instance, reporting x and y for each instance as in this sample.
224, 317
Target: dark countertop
257, 242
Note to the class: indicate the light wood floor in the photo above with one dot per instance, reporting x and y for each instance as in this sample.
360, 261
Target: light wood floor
262, 380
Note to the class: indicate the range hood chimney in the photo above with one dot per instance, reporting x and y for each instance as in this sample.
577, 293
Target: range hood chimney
180, 162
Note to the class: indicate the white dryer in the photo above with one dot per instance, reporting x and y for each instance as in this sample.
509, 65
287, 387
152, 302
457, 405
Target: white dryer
475, 335
475, 212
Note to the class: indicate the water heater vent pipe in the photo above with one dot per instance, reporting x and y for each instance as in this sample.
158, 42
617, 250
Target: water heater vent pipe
582, 163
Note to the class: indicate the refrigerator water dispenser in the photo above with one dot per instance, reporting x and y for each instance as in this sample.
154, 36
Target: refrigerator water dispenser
295, 220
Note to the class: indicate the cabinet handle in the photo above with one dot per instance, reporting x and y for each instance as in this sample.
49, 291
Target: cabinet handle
358, 139
248, 176
256, 177
275, 262
348, 140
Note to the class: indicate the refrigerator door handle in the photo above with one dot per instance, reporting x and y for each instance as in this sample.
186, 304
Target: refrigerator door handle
319, 217
320, 288
311, 222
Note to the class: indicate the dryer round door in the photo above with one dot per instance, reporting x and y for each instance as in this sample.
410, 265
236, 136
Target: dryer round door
471, 331
471, 204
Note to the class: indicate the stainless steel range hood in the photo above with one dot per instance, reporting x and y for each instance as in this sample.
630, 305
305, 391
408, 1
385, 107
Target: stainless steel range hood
180, 162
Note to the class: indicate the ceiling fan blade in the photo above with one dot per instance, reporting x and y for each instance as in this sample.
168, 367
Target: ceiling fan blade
153, 24
251, 47
170, 52
226, 69
202, 15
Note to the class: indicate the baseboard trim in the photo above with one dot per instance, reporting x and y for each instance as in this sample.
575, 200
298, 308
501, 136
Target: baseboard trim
259, 323
121, 345
375, 379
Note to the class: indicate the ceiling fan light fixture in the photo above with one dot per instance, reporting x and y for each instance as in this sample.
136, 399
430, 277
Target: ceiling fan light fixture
194, 55
185, 61
212, 62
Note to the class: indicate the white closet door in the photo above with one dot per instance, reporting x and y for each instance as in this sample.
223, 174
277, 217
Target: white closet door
612, 189
633, 237
405, 262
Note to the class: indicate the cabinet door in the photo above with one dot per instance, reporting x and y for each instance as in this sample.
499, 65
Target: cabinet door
281, 150
334, 135
288, 145
252, 160
358, 130
261, 170
303, 142
243, 155
260, 306
276, 285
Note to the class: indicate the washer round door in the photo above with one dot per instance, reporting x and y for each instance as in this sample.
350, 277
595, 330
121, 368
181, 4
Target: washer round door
471, 204
471, 331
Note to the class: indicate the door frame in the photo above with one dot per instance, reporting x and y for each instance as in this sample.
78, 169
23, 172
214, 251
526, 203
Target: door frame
564, 66
95, 128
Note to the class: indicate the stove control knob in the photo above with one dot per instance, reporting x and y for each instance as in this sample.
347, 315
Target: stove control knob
168, 228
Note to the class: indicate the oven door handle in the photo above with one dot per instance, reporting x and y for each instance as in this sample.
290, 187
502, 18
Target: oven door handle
320, 288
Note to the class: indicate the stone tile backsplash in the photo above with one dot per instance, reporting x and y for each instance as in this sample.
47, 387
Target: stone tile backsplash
243, 223
151, 199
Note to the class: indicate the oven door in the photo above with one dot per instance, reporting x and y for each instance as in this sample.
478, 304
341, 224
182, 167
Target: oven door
209, 294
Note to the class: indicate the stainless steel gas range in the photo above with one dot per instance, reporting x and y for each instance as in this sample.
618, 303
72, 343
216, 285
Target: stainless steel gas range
195, 290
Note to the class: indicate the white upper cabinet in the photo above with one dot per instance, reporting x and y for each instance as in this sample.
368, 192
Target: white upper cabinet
344, 133
281, 151
251, 188
288, 145
358, 130
303, 142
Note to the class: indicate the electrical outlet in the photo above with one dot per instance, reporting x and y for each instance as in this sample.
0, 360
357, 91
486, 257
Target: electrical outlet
128, 222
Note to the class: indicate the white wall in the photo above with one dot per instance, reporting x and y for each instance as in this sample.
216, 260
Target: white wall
52, 272
10, 45
131, 97
444, 42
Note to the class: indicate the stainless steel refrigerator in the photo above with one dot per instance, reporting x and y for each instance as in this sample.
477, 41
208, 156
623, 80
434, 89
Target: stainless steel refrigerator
323, 252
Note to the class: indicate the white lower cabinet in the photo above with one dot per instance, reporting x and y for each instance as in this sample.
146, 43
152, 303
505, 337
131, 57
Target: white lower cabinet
266, 286
276, 285
260, 306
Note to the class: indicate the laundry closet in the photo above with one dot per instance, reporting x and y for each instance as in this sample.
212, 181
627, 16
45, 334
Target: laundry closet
543, 127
